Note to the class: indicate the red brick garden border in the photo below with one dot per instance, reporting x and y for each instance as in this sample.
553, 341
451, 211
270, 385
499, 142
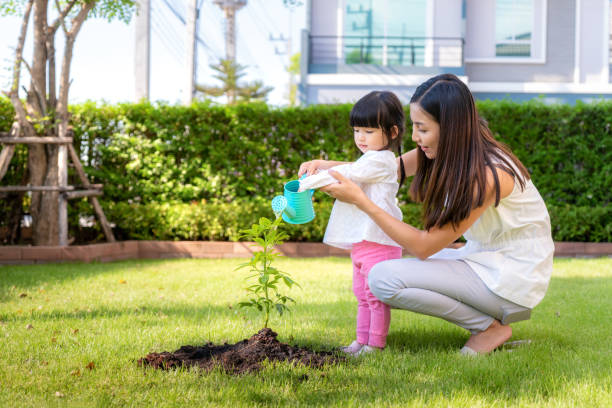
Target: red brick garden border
204, 249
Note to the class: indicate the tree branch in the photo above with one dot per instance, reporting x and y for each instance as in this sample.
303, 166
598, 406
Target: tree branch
39, 94
22, 116
13, 94
60, 19
62, 104
38, 71
77, 22
19, 49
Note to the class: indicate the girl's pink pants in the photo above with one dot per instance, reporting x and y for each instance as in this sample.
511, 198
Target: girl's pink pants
373, 316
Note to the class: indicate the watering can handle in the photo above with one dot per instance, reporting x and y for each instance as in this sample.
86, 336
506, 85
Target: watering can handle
311, 190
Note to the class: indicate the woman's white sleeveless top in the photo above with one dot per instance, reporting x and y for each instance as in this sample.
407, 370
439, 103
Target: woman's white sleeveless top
510, 247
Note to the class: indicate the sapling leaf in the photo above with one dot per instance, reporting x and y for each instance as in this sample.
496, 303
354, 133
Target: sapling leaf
288, 281
260, 241
280, 308
244, 265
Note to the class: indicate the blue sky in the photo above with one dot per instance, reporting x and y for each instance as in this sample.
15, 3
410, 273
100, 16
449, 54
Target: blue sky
103, 62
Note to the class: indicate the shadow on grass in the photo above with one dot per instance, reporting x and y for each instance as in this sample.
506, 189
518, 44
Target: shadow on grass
28, 277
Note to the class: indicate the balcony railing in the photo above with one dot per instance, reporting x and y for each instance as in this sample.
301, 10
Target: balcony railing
386, 51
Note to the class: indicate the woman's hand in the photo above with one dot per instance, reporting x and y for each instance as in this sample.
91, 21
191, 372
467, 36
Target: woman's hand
345, 190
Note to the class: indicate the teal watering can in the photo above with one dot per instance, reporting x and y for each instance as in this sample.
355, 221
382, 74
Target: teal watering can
296, 207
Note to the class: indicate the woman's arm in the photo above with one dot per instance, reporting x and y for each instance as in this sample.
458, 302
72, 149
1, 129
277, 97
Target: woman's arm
419, 243
410, 163
310, 167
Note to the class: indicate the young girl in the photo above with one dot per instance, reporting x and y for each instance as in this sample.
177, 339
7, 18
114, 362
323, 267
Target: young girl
469, 185
377, 120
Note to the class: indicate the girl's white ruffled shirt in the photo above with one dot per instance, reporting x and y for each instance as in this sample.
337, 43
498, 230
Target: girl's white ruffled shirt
376, 173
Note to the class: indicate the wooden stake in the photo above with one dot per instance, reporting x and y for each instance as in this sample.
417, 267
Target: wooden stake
82, 193
7, 151
108, 232
36, 140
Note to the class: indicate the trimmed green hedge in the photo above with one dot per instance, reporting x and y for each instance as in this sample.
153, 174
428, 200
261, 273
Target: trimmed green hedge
166, 157
216, 221
223, 221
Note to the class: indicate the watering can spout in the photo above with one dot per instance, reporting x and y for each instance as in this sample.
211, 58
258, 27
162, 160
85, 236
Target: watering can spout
295, 207
280, 206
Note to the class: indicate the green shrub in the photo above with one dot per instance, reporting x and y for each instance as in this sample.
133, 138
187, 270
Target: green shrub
163, 158
223, 221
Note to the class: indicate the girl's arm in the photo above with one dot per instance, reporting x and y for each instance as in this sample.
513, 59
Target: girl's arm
372, 167
310, 167
419, 243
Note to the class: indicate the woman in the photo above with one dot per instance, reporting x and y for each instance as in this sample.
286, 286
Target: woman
471, 185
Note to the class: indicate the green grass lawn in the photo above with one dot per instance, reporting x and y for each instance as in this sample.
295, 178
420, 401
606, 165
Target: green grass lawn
57, 319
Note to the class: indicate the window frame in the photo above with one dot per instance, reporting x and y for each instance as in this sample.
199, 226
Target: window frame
540, 23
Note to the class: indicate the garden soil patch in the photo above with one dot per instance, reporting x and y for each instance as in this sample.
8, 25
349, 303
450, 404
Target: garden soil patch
239, 358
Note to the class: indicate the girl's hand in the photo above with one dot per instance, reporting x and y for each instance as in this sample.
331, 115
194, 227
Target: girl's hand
345, 190
312, 167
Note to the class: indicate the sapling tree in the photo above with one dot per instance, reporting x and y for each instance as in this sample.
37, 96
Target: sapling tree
265, 294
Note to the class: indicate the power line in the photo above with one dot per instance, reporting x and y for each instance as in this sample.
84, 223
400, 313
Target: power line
167, 38
269, 22
166, 34
162, 33
182, 20
177, 38
255, 22
158, 30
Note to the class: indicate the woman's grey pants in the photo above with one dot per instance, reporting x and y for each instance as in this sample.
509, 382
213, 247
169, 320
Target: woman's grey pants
444, 288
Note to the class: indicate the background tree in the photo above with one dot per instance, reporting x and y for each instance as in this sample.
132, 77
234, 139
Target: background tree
229, 73
44, 112
294, 70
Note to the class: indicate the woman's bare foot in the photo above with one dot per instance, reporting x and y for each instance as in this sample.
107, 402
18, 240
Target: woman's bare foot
488, 340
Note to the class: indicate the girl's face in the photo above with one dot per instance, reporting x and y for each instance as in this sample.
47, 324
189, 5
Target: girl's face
425, 131
368, 139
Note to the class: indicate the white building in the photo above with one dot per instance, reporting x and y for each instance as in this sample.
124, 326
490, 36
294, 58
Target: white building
517, 49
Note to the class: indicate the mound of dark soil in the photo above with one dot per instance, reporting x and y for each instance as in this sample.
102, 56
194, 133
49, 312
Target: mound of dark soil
242, 357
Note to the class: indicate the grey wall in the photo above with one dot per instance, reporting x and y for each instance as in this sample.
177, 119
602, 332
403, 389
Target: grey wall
350, 94
559, 66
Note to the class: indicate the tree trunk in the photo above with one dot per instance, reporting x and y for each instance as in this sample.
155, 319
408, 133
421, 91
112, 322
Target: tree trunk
48, 110
43, 208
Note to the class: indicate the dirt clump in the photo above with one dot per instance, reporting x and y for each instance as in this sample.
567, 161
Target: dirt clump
242, 357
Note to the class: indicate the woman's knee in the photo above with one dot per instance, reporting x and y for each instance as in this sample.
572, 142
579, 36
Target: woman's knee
379, 281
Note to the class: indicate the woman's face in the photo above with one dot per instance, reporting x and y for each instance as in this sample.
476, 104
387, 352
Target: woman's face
425, 131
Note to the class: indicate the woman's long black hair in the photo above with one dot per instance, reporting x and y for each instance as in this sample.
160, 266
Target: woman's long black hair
452, 184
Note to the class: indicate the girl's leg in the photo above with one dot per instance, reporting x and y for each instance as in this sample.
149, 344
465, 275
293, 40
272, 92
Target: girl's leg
380, 313
449, 289
380, 318
363, 309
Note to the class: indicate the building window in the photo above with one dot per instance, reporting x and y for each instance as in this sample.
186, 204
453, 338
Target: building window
505, 31
389, 32
513, 28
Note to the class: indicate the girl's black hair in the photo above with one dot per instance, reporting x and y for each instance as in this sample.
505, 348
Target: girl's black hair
382, 109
